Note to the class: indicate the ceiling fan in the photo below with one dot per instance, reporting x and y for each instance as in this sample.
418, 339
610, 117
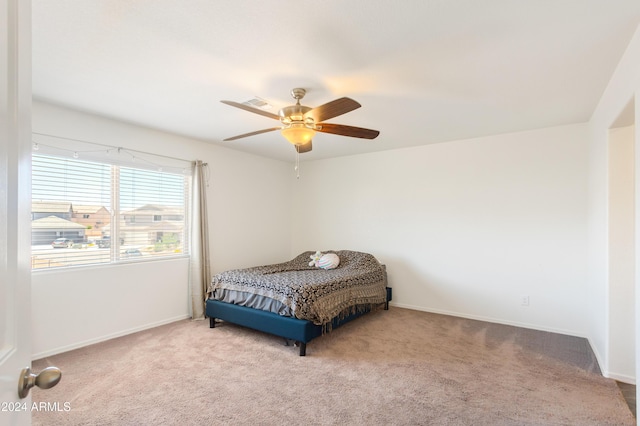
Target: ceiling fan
300, 123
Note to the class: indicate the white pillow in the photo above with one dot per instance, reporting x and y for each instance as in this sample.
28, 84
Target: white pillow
328, 261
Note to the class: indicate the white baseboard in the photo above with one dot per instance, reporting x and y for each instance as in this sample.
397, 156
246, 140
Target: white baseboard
621, 378
624, 378
82, 344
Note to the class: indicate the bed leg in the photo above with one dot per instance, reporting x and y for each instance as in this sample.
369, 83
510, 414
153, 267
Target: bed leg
212, 322
303, 349
389, 297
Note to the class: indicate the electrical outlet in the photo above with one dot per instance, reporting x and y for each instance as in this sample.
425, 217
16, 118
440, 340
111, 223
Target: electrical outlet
524, 301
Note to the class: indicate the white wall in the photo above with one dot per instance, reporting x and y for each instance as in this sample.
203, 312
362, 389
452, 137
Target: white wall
623, 87
249, 200
80, 306
465, 228
622, 254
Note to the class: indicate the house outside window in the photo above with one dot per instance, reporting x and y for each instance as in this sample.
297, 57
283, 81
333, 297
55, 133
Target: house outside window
112, 213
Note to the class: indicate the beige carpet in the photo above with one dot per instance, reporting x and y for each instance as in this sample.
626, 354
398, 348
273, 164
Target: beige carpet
396, 367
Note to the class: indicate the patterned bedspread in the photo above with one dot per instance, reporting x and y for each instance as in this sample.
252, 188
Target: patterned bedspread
309, 293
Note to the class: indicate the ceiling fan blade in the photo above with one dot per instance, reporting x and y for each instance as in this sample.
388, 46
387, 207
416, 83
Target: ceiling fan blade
253, 110
333, 109
257, 132
354, 132
303, 148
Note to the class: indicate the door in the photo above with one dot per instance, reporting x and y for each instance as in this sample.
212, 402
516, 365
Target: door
15, 207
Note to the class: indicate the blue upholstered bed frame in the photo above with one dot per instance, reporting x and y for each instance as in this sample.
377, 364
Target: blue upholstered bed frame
301, 331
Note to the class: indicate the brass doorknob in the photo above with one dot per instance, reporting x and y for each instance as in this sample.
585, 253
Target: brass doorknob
46, 379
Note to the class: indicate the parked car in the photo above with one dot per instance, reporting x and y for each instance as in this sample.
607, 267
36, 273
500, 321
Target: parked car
105, 242
62, 243
131, 253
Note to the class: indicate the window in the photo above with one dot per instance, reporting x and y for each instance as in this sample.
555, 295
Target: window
91, 212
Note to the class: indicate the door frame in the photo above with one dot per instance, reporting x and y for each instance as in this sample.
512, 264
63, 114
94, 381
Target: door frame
15, 207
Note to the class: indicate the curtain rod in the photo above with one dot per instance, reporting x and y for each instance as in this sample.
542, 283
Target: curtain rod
111, 146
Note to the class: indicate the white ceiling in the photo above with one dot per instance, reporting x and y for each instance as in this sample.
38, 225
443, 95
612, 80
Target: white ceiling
425, 71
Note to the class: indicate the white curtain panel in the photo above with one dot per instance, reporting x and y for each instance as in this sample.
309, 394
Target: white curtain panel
199, 270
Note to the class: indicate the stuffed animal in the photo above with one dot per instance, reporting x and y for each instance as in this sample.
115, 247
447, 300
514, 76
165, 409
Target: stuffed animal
315, 258
328, 261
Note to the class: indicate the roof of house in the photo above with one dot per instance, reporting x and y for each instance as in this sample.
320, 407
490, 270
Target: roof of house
87, 208
152, 209
54, 222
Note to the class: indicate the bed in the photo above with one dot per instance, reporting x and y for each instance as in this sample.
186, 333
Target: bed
296, 300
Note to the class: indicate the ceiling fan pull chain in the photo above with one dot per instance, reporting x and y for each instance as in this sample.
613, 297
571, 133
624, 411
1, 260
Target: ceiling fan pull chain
297, 167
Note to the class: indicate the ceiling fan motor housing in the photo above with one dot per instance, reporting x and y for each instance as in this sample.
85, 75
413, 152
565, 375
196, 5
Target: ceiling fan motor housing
294, 114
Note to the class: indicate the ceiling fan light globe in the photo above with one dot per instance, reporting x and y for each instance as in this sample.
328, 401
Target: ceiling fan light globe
298, 134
